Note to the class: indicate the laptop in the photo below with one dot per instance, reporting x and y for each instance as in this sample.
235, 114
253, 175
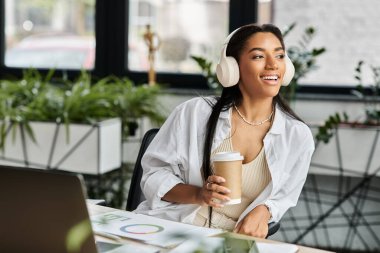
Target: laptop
45, 211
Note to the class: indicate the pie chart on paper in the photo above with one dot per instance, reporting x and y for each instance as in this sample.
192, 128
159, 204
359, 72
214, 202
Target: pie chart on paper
141, 229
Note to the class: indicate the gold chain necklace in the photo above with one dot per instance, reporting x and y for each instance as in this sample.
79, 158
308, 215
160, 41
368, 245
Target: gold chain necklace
253, 123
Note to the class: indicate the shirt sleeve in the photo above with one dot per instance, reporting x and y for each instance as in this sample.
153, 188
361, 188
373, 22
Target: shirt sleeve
287, 195
161, 164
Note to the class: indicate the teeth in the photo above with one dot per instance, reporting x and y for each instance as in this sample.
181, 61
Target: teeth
270, 77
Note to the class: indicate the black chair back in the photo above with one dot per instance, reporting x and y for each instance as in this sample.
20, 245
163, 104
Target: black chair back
135, 195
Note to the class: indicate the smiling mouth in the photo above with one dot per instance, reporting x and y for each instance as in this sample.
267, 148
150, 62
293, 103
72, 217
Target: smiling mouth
270, 77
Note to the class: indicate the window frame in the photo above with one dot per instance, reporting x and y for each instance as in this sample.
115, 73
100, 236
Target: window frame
2, 34
111, 53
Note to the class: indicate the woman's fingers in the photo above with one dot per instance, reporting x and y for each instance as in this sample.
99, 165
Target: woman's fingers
217, 188
216, 179
214, 194
237, 228
252, 227
213, 184
213, 198
219, 197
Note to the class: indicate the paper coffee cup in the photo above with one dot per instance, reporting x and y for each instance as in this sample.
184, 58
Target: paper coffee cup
229, 166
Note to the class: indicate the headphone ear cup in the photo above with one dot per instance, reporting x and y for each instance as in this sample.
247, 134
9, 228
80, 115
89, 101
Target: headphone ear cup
227, 71
289, 71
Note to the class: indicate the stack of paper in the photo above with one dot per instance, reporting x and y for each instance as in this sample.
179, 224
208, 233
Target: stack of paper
276, 247
149, 229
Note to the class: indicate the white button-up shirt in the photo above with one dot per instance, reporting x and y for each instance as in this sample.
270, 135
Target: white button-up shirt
176, 153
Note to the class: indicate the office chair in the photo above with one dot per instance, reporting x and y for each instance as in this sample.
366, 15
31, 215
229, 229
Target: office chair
135, 195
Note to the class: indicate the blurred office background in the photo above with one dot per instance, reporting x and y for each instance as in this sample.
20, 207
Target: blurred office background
339, 207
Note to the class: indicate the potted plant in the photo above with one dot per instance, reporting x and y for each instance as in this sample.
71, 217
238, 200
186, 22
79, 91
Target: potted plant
75, 126
347, 145
370, 100
135, 102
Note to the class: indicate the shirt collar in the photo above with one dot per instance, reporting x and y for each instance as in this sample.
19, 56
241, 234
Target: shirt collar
225, 114
278, 126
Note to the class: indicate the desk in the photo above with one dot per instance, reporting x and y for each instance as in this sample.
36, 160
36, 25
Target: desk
95, 210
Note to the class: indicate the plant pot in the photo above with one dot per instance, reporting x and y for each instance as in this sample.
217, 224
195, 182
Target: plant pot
89, 149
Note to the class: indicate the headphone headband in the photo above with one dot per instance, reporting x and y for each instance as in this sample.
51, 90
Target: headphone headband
227, 40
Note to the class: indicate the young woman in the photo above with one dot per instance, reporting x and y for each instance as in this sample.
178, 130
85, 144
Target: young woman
249, 117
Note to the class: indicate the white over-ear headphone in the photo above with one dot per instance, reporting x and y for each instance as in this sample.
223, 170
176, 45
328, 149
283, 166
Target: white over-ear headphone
227, 69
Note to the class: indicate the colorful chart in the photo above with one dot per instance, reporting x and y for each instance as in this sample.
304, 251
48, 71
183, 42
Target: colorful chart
141, 229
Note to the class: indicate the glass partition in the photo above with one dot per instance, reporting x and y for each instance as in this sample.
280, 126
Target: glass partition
183, 28
50, 34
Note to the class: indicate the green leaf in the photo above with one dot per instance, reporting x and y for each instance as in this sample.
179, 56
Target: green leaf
310, 30
30, 132
3, 132
318, 51
288, 29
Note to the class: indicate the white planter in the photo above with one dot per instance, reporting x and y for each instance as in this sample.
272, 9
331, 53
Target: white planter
90, 149
350, 152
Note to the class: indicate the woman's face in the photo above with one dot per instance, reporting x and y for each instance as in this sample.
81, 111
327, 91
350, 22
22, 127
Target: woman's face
262, 66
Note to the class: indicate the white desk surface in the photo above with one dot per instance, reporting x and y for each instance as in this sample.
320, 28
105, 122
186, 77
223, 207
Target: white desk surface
95, 210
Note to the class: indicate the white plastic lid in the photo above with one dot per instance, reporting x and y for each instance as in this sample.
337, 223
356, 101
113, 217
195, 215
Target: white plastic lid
227, 156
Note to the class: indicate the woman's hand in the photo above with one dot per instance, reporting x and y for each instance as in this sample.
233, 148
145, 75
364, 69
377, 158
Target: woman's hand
212, 193
255, 223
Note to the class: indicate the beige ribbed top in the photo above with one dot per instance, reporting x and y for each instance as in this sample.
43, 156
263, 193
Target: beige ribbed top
256, 177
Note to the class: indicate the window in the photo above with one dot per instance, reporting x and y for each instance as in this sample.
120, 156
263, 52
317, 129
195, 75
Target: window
61, 34
349, 29
50, 34
185, 28
181, 29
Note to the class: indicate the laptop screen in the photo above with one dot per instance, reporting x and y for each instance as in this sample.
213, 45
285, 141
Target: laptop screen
43, 211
